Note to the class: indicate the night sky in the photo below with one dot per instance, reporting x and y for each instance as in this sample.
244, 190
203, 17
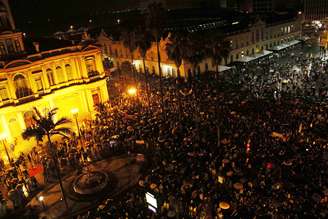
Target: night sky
46, 16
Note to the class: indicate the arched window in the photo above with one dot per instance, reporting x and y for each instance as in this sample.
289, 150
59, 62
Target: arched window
50, 76
60, 74
21, 85
91, 66
69, 72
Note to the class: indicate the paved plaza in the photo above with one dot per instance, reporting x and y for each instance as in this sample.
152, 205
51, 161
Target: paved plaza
124, 172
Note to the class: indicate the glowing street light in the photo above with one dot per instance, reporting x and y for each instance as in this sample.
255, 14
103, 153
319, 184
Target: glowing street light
132, 91
41, 200
3, 137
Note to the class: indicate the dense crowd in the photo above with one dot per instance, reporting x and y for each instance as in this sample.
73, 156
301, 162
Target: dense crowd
245, 143
216, 149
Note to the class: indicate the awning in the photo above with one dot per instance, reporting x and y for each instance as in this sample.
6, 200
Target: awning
256, 56
223, 68
285, 45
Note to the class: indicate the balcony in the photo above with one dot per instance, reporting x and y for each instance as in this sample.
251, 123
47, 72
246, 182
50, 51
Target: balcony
26, 99
92, 74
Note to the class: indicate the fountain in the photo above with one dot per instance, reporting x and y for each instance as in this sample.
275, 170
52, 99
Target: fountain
90, 183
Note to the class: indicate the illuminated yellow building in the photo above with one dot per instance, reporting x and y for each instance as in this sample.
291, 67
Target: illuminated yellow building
67, 78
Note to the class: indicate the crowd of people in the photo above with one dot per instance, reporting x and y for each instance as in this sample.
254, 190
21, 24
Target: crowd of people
218, 150
245, 143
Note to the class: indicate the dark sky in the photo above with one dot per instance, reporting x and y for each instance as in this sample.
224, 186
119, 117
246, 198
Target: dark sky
52, 15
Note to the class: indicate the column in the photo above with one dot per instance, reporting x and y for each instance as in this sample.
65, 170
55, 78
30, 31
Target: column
99, 64
44, 79
31, 82
12, 89
83, 68
64, 71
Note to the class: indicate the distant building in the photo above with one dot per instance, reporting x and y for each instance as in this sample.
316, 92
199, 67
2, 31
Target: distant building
315, 9
44, 74
176, 4
261, 6
250, 39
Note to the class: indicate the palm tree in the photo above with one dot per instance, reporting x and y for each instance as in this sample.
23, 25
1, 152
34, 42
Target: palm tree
156, 24
219, 49
128, 37
144, 42
46, 126
176, 48
195, 51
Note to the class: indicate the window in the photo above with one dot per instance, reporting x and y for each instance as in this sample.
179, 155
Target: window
3, 93
69, 72
110, 52
10, 46
38, 82
18, 46
60, 75
96, 99
91, 66
21, 85
174, 73
50, 76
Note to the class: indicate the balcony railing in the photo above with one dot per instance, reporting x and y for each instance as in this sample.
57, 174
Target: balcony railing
92, 74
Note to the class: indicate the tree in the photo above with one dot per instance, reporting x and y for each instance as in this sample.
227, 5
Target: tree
46, 126
176, 48
144, 42
128, 37
218, 49
195, 53
156, 24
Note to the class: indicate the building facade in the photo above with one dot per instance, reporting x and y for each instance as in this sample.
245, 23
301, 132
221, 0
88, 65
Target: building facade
315, 9
66, 78
249, 41
73, 80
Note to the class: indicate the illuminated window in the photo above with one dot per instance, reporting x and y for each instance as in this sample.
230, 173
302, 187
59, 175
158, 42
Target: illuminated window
28, 119
38, 83
21, 85
50, 76
3, 93
69, 72
60, 74
91, 66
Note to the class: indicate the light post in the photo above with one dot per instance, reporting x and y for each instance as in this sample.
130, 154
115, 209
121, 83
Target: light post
75, 112
3, 138
41, 199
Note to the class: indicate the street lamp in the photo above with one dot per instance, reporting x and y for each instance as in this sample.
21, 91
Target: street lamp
41, 199
75, 112
3, 137
132, 91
